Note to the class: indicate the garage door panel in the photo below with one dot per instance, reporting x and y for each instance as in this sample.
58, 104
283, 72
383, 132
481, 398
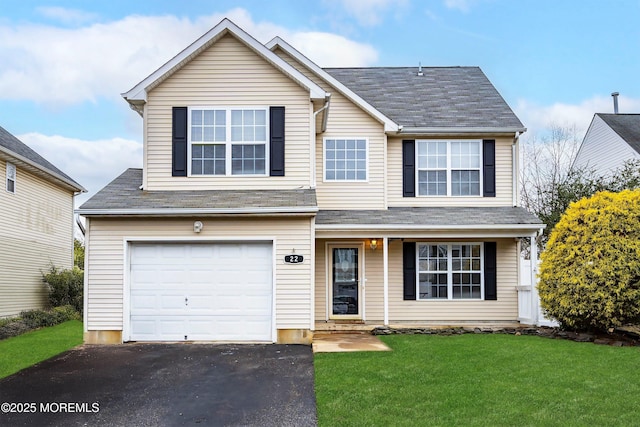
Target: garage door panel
227, 287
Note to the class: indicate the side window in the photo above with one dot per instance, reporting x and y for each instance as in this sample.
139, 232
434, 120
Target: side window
11, 178
345, 159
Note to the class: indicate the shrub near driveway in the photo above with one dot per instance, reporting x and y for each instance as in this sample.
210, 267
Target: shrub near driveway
479, 380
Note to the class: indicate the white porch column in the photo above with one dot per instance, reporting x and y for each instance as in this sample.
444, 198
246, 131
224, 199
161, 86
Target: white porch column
385, 278
534, 272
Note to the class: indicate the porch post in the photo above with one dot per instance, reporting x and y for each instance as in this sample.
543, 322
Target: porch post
534, 271
385, 278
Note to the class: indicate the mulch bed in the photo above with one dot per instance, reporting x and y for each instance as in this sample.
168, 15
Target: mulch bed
621, 337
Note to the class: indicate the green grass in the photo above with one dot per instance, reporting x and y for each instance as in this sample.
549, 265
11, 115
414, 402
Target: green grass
479, 380
19, 352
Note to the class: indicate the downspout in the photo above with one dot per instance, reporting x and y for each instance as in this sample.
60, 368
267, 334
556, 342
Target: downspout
515, 162
327, 103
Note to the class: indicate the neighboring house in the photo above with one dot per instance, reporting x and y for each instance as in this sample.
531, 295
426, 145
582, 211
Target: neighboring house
610, 141
277, 198
36, 224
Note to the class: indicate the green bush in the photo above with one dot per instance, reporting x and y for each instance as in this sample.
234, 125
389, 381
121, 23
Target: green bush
590, 270
65, 287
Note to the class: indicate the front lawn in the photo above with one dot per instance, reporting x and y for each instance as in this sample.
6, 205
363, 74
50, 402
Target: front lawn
19, 352
479, 380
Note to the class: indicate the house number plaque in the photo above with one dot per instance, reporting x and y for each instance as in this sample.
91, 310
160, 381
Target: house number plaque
293, 259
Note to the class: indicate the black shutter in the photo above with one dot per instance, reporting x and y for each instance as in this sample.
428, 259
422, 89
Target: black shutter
276, 141
409, 168
179, 142
490, 292
409, 269
489, 167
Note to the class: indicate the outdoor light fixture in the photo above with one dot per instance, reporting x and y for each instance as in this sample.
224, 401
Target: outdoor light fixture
197, 226
373, 244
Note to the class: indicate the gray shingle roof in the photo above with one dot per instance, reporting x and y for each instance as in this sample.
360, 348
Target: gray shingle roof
625, 125
16, 147
123, 194
444, 97
431, 216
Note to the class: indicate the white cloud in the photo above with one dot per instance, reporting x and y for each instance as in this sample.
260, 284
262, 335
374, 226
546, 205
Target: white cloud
92, 164
539, 119
64, 66
67, 16
371, 12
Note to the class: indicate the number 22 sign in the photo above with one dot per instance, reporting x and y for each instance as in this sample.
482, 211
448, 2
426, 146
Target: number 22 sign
293, 259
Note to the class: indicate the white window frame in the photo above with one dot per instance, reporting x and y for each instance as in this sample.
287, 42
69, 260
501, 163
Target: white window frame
228, 143
450, 270
11, 174
346, 138
449, 168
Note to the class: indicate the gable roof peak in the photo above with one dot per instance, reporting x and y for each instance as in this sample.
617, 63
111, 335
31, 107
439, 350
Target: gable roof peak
137, 96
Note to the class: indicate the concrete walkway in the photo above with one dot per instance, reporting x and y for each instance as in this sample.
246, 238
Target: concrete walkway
326, 342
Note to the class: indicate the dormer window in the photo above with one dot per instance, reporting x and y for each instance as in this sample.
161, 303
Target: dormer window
11, 178
228, 141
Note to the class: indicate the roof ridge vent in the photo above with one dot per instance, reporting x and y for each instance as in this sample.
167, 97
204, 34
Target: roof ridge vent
420, 73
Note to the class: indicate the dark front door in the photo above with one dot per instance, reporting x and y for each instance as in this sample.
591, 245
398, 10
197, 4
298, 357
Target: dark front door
346, 282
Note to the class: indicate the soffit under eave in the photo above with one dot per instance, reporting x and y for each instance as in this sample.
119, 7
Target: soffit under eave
425, 234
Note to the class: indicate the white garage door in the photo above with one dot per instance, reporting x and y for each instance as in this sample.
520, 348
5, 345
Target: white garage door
201, 292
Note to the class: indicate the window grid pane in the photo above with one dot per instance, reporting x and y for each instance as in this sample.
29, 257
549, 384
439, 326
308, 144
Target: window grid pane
247, 159
345, 159
466, 262
248, 126
449, 271
449, 168
208, 159
433, 266
208, 126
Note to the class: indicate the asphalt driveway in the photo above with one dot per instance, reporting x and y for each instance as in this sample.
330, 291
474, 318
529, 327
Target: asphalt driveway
165, 385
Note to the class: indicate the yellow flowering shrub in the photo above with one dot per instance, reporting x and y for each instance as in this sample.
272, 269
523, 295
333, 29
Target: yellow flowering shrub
590, 270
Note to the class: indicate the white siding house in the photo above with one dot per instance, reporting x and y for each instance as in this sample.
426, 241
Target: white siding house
610, 141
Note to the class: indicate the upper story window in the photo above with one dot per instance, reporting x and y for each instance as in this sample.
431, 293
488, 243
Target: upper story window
450, 271
11, 178
228, 141
449, 168
345, 159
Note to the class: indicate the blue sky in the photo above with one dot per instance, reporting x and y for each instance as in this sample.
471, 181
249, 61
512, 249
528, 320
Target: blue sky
63, 63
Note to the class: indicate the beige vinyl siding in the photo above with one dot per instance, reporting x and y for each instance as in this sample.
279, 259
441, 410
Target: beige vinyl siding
504, 186
346, 119
228, 74
107, 266
504, 309
36, 231
372, 291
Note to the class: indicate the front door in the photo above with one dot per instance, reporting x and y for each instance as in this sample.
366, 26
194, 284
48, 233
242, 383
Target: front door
345, 282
